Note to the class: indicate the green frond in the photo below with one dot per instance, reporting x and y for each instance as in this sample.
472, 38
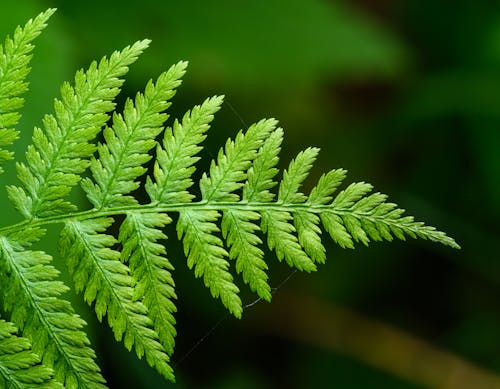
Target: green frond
14, 68
228, 174
281, 233
260, 176
355, 215
238, 228
19, 366
350, 195
205, 252
335, 227
327, 184
96, 269
242, 207
281, 238
60, 151
128, 143
294, 176
306, 224
308, 234
151, 270
27, 236
175, 161
32, 295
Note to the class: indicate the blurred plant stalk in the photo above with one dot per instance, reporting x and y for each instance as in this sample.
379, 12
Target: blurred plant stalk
342, 330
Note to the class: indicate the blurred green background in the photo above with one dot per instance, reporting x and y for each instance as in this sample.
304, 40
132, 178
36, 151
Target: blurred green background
405, 95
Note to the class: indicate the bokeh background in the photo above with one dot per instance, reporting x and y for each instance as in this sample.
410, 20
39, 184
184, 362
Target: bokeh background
405, 95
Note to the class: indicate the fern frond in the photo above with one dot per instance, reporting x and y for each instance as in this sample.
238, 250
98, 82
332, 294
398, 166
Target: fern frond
306, 224
96, 269
19, 366
129, 279
151, 270
327, 184
32, 295
205, 252
239, 229
294, 176
281, 238
14, 68
260, 176
229, 173
276, 224
129, 141
175, 161
60, 151
371, 218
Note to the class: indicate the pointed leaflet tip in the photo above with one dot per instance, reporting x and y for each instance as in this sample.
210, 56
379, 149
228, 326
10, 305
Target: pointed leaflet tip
141, 45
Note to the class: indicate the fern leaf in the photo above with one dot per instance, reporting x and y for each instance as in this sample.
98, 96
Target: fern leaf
281, 238
276, 224
228, 174
96, 269
19, 366
129, 142
239, 228
60, 152
242, 204
307, 223
355, 215
349, 196
174, 163
308, 234
295, 175
335, 227
321, 194
260, 176
205, 252
151, 269
14, 68
31, 294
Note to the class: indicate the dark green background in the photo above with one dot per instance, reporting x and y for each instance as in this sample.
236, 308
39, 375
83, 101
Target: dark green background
405, 95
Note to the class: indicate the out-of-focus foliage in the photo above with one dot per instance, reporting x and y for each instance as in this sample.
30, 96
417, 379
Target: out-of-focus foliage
405, 93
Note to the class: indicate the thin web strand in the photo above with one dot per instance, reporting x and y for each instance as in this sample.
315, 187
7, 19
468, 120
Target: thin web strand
225, 317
